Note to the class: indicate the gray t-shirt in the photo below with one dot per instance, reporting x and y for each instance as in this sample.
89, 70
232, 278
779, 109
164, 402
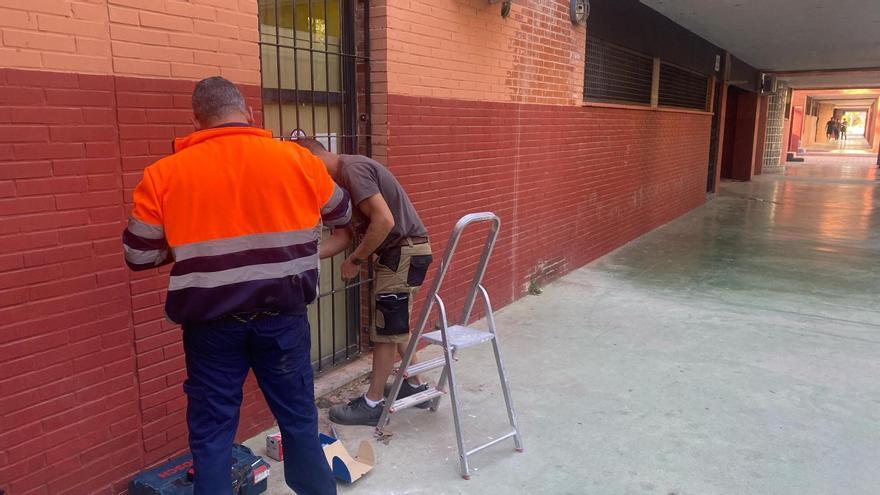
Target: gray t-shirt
363, 177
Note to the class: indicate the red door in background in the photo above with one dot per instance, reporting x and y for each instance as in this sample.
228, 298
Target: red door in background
797, 127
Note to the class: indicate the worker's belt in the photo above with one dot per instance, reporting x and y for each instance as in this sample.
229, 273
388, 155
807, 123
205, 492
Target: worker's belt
412, 241
248, 317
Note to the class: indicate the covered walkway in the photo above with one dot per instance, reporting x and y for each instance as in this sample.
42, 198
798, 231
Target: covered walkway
731, 351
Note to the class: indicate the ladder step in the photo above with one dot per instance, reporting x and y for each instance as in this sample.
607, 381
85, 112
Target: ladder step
415, 399
459, 336
423, 367
493, 442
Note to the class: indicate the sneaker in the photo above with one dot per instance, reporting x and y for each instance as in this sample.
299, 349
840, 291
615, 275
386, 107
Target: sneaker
356, 412
406, 390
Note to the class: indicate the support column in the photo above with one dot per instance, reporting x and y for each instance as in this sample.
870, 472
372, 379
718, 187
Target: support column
872, 132
761, 135
719, 149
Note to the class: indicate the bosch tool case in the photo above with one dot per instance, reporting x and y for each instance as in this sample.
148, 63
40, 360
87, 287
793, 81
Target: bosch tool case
250, 475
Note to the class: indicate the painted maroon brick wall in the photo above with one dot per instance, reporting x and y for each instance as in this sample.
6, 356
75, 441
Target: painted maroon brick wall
89, 373
569, 183
67, 375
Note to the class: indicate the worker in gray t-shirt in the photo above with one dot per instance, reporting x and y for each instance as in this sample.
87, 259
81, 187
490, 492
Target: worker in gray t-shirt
386, 225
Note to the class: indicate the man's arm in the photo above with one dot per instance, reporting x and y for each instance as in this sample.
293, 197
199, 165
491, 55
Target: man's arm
143, 241
339, 239
381, 222
336, 212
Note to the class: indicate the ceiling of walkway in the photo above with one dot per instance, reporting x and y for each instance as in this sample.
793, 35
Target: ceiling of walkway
854, 99
787, 35
836, 79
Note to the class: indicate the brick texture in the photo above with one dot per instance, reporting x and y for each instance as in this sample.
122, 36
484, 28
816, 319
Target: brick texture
182, 39
471, 111
90, 372
185, 39
66, 35
569, 183
68, 392
464, 49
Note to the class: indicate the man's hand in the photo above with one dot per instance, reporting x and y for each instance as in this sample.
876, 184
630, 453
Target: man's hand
349, 270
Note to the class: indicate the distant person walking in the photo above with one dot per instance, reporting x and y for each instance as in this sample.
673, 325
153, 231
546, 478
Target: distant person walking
843, 127
836, 129
829, 129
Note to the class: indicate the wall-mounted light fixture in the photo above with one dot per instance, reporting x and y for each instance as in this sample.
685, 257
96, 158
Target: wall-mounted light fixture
579, 11
505, 6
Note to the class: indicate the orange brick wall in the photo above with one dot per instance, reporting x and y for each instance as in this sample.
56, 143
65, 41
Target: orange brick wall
156, 38
464, 49
55, 35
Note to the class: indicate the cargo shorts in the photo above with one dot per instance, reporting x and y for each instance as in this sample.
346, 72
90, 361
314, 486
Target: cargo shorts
397, 276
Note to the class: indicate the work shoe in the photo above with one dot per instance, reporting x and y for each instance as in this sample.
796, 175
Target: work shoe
406, 390
356, 412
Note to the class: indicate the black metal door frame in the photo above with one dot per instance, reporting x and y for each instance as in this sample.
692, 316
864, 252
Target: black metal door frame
350, 141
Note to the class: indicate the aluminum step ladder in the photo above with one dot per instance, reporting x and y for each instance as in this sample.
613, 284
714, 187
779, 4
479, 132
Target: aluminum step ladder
451, 339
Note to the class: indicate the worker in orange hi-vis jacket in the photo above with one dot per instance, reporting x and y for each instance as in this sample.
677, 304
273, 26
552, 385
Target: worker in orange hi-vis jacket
240, 215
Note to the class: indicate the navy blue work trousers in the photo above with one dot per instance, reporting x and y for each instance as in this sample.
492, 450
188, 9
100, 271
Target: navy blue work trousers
218, 356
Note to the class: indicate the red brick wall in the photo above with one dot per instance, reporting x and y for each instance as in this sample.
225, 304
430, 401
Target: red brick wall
89, 373
67, 378
569, 183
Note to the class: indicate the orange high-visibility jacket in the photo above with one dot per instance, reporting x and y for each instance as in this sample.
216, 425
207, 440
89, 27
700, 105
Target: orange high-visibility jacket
240, 215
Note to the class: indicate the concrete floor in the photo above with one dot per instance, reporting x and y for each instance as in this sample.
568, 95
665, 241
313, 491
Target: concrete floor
855, 145
733, 351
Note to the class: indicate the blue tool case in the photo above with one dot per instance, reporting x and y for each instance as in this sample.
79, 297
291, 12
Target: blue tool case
250, 475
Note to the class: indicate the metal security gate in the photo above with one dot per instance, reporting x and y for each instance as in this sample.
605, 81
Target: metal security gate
311, 64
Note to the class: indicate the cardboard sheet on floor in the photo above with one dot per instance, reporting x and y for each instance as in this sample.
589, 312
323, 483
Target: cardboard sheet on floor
344, 466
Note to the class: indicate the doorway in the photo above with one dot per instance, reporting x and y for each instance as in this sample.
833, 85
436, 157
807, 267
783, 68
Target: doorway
741, 121
856, 121
310, 68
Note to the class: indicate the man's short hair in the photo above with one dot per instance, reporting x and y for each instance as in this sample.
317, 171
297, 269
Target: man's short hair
216, 97
311, 144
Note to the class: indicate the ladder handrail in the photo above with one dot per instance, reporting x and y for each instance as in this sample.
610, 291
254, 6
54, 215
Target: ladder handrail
449, 254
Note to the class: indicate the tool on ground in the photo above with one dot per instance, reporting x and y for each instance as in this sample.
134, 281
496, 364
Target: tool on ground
274, 448
451, 339
250, 474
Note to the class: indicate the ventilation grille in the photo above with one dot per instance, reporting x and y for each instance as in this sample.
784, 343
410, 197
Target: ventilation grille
682, 88
615, 74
